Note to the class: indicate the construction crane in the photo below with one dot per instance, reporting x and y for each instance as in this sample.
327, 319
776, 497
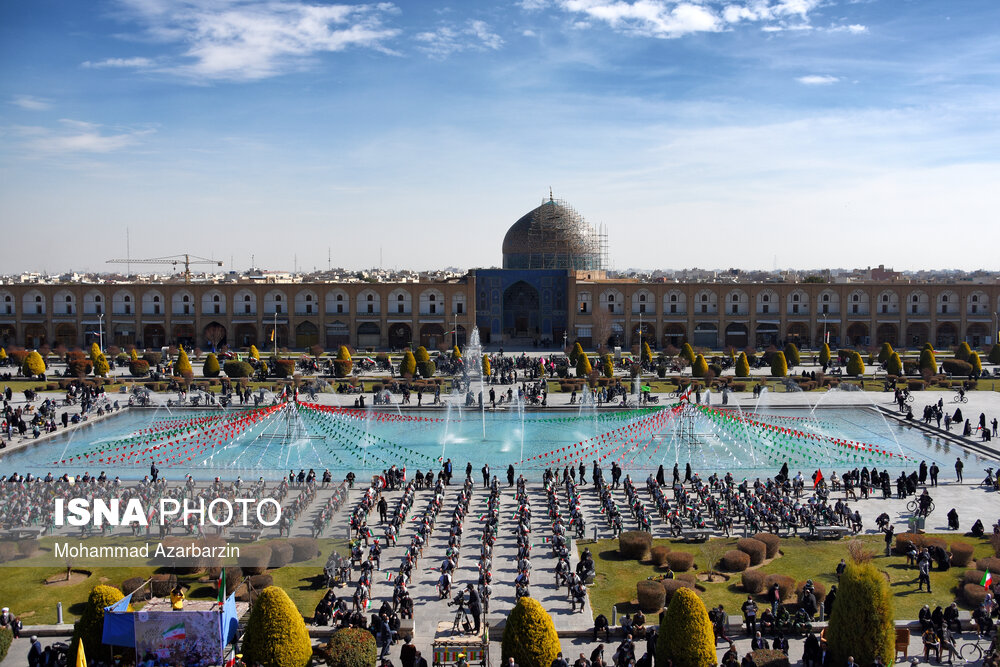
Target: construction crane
186, 259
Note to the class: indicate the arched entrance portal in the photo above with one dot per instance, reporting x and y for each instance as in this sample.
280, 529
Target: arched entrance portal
432, 336
736, 336
857, 334
798, 334
916, 334
369, 335
674, 335
400, 336
520, 310
306, 335
154, 336
887, 333
706, 334
214, 335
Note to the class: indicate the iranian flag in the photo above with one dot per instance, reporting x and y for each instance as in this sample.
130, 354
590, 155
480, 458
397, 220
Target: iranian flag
987, 580
174, 632
222, 585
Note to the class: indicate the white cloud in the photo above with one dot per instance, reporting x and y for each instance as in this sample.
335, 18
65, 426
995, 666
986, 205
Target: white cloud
533, 5
854, 28
236, 40
118, 62
446, 40
74, 136
31, 103
817, 80
529, 33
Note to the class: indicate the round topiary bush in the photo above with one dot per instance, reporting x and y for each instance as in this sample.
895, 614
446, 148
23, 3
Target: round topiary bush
350, 647
529, 635
753, 581
991, 564
91, 624
275, 632
8, 551
769, 658
935, 542
786, 585
650, 595
658, 555
304, 548
28, 548
162, 584
281, 553
972, 576
686, 638
735, 560
259, 582
671, 586
973, 594
771, 541
635, 544
680, 561
756, 549
819, 590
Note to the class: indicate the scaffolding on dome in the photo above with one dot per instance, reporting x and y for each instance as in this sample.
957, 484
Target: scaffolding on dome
561, 238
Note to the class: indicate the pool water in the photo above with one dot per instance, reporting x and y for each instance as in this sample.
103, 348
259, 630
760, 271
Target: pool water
271, 441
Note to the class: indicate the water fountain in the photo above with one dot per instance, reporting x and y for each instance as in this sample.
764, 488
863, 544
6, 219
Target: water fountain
474, 350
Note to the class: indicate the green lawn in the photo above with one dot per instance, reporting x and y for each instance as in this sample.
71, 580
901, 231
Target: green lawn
23, 588
801, 559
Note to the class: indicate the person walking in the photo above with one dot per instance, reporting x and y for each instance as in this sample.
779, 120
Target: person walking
958, 469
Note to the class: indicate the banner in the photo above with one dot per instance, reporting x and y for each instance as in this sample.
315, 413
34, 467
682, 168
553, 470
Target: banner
166, 638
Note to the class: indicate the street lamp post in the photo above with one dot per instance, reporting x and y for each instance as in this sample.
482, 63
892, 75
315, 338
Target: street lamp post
100, 331
824, 329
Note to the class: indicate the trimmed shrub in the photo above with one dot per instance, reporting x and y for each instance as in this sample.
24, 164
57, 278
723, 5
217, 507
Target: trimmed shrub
607, 366
792, 355
33, 364
275, 633
152, 358
779, 366
972, 577
885, 352
8, 552
6, 637
80, 367
894, 366
259, 582
753, 581
671, 586
680, 561
973, 594
786, 585
658, 555
426, 368
133, 586
575, 353
756, 549
635, 544
254, 559
183, 365
408, 365
686, 638
650, 595
283, 368
956, 367
343, 364
90, 627
855, 364
771, 541
238, 369
995, 354
769, 658
906, 541
583, 366
138, 367
350, 647
28, 548
487, 369
991, 564
687, 353
699, 367
963, 351
281, 553
529, 636
211, 367
824, 354
975, 362
303, 548
735, 560
742, 366
928, 361
862, 621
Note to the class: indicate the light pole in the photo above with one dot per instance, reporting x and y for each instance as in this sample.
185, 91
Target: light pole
100, 331
565, 339
824, 330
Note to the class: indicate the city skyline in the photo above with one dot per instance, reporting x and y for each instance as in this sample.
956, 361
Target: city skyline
277, 130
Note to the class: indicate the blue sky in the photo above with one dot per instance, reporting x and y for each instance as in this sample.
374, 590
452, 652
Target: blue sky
711, 133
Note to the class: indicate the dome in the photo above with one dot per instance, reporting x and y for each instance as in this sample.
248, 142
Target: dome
552, 236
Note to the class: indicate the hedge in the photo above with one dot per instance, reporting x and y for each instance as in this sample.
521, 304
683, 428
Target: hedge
753, 581
974, 594
786, 584
275, 633
135, 586
906, 541
671, 586
162, 584
237, 369
6, 637
304, 548
635, 544
680, 561
350, 647
650, 595
735, 560
756, 549
281, 553
991, 564
658, 555
771, 541
254, 559
769, 658
956, 367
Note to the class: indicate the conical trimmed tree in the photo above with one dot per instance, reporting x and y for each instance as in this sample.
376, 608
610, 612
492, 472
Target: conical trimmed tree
183, 365
927, 360
855, 365
742, 366
487, 367
647, 353
687, 352
862, 623
583, 367
343, 365
977, 364
421, 355
101, 365
408, 366
275, 634
963, 351
211, 369
686, 637
607, 366
824, 354
529, 635
894, 366
885, 352
779, 367
792, 355
34, 364
699, 367
254, 353
574, 354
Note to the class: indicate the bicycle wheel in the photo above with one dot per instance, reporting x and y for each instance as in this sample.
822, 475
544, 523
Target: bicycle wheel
931, 508
970, 652
911, 506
